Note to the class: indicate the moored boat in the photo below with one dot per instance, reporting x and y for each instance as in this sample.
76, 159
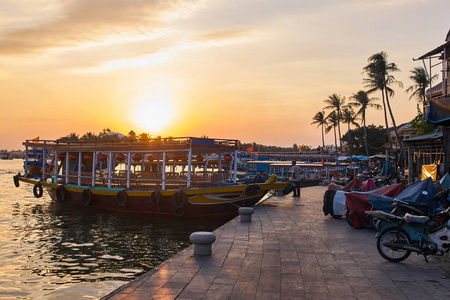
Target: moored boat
313, 173
6, 156
183, 177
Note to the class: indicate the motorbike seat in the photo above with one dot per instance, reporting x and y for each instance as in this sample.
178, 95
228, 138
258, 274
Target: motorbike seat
413, 207
416, 219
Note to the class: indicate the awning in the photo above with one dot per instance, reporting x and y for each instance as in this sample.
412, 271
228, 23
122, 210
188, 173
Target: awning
438, 50
380, 156
424, 138
439, 112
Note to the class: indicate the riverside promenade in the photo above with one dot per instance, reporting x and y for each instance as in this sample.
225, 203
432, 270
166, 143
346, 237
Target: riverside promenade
291, 250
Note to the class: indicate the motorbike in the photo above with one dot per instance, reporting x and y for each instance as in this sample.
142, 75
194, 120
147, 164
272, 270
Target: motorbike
400, 235
421, 204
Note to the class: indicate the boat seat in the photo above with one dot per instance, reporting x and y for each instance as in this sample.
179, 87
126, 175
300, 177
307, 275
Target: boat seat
220, 178
184, 175
201, 178
86, 178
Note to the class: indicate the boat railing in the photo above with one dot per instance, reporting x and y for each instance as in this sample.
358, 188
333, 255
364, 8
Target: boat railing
221, 178
144, 179
137, 167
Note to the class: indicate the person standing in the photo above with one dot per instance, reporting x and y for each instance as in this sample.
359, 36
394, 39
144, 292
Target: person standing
296, 179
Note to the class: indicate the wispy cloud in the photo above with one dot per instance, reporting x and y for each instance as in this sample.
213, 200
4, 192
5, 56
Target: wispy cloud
83, 23
219, 38
379, 4
211, 39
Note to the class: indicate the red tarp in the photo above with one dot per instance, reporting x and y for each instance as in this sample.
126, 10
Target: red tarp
353, 185
368, 185
357, 203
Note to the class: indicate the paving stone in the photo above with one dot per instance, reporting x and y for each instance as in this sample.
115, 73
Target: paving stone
291, 250
219, 291
264, 295
118, 296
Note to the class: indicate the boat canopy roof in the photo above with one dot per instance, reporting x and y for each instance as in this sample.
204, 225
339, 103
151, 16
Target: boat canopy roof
157, 144
352, 158
288, 164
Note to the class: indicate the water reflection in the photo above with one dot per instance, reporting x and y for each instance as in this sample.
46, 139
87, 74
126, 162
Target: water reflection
50, 249
92, 245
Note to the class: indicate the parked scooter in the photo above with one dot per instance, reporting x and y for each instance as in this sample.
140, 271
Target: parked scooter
398, 236
418, 200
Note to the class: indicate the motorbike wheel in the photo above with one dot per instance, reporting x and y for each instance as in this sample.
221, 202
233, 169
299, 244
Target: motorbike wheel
347, 218
392, 235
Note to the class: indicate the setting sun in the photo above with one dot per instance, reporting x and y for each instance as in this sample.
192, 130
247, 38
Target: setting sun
244, 70
153, 114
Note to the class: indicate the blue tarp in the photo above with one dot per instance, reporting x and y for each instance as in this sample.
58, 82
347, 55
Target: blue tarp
439, 112
388, 169
419, 192
359, 157
445, 181
352, 158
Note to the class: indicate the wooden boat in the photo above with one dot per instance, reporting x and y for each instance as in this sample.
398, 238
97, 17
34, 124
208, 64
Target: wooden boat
168, 176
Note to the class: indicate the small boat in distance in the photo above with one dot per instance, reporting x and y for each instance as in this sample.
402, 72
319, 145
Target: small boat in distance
6, 155
182, 177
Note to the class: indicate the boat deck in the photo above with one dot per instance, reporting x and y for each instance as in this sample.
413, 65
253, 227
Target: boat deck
291, 251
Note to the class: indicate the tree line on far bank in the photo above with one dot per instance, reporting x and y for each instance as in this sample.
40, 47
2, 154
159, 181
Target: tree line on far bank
378, 78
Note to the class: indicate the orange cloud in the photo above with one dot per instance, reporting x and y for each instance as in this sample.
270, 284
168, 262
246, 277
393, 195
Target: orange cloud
84, 23
211, 39
215, 39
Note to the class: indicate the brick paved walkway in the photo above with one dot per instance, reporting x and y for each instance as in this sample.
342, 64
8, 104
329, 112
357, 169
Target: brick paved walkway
292, 251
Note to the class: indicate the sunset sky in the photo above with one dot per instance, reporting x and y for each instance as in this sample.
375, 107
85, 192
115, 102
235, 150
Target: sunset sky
254, 70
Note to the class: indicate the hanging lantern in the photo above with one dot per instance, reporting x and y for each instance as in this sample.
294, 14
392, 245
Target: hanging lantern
87, 157
227, 157
62, 156
184, 158
137, 157
73, 157
102, 157
199, 158
176, 156
120, 157
150, 158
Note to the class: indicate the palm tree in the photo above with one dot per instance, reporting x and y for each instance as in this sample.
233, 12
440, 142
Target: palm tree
333, 121
144, 136
363, 101
374, 84
336, 102
320, 120
420, 78
88, 136
379, 78
349, 117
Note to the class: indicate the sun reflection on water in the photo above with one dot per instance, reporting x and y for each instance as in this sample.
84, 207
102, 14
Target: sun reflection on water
48, 250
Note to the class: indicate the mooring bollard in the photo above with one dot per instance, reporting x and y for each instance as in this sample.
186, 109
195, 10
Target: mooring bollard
202, 241
246, 214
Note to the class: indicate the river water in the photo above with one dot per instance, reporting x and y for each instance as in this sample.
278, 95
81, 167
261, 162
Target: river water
50, 250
